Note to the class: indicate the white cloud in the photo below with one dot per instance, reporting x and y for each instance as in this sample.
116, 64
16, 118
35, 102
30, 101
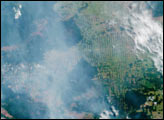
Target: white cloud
17, 11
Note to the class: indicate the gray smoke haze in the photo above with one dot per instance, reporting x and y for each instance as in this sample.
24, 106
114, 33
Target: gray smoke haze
43, 73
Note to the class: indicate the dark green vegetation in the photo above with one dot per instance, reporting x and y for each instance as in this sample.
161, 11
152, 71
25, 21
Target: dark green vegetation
128, 79
111, 72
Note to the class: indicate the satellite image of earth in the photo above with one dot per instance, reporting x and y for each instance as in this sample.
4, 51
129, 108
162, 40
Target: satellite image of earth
82, 60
